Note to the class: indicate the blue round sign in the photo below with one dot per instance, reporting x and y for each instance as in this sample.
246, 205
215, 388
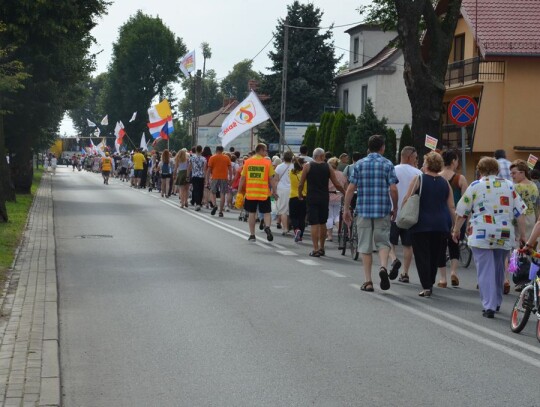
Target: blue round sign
462, 110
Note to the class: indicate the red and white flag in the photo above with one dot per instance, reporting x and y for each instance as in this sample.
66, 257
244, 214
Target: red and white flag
119, 132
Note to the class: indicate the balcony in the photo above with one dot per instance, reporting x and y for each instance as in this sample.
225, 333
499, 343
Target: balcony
474, 70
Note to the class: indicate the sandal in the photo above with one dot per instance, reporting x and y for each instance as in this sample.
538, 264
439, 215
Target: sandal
454, 280
385, 281
322, 252
367, 286
404, 278
442, 284
506, 288
394, 270
314, 253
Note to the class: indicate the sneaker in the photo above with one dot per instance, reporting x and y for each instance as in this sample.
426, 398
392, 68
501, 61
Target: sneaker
221, 214
198, 208
396, 264
269, 235
385, 282
214, 210
278, 226
252, 238
261, 225
297, 235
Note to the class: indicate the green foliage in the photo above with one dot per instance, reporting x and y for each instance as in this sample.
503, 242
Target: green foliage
366, 126
310, 71
91, 108
211, 97
406, 139
310, 137
319, 140
144, 64
338, 134
51, 40
207, 54
390, 145
235, 84
325, 137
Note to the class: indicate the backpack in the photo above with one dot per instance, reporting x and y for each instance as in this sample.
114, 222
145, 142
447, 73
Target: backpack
165, 168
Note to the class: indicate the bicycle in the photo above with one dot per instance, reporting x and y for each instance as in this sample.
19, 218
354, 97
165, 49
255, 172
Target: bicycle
528, 302
348, 235
465, 253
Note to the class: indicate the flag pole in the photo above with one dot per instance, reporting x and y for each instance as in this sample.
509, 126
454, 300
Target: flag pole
280, 135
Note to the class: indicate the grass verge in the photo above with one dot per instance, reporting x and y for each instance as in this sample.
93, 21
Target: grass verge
12, 231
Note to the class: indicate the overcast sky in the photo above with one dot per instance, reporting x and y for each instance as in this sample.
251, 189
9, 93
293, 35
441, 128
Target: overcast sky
235, 29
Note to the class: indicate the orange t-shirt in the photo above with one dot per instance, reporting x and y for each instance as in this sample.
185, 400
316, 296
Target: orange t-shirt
219, 165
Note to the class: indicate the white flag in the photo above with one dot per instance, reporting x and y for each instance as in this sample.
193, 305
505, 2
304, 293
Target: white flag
105, 120
117, 146
133, 117
99, 148
248, 114
90, 124
143, 143
97, 132
187, 63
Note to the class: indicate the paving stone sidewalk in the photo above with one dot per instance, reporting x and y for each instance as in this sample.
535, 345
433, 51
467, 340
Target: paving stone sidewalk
29, 358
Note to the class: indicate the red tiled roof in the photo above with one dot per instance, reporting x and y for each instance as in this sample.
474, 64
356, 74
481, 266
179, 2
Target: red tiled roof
505, 27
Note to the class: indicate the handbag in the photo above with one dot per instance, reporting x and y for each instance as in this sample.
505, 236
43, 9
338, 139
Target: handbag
408, 215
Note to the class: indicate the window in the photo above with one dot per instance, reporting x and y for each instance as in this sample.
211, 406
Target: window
364, 99
356, 49
459, 47
345, 104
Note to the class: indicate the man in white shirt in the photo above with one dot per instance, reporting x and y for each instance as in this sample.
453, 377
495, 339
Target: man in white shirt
406, 171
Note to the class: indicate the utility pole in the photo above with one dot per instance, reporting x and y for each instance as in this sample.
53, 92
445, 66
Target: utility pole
196, 107
284, 86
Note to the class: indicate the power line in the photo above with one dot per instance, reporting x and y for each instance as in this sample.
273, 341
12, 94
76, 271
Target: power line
323, 28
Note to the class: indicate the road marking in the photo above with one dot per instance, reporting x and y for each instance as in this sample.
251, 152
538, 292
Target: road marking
485, 330
308, 262
286, 253
456, 329
278, 246
333, 273
355, 286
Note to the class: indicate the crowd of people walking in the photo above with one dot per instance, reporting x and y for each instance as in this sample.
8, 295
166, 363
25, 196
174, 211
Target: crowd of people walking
494, 214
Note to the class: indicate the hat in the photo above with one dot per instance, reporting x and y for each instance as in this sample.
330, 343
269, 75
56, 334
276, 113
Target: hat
276, 160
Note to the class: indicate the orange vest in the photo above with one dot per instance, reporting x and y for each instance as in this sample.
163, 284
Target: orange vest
106, 164
257, 171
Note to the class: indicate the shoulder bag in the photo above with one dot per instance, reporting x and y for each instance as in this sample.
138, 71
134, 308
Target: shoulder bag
408, 214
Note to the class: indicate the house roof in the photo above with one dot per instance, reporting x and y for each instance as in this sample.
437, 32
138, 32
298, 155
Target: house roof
216, 118
505, 28
365, 27
378, 60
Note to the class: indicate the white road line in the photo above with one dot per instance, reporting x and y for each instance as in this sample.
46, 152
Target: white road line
524, 357
355, 286
333, 273
286, 253
308, 262
482, 329
278, 246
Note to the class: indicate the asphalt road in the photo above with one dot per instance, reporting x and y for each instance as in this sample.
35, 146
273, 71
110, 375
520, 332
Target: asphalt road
162, 306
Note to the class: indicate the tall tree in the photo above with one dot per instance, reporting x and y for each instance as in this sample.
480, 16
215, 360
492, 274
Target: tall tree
144, 64
406, 138
310, 137
235, 84
338, 134
207, 54
310, 71
425, 54
366, 126
51, 40
91, 108
390, 145
212, 101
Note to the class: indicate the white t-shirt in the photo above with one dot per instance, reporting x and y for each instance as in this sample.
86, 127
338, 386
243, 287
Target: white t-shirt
405, 174
283, 170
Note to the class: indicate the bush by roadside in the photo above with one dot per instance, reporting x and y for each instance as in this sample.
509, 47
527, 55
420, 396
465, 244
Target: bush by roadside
11, 232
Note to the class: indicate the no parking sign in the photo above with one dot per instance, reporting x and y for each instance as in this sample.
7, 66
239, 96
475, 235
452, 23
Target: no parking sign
462, 110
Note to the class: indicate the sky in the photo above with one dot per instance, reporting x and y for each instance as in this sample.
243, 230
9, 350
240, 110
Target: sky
235, 29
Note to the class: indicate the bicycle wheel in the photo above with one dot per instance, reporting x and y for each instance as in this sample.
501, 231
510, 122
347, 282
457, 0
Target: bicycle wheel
342, 238
522, 310
465, 254
353, 241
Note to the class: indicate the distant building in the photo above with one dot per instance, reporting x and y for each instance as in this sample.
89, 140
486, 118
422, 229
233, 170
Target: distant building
376, 72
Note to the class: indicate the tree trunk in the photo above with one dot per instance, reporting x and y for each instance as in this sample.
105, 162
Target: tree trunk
22, 169
7, 192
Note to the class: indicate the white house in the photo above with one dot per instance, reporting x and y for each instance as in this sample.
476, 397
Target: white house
376, 72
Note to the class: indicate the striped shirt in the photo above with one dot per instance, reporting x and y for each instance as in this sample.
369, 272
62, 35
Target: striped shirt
373, 176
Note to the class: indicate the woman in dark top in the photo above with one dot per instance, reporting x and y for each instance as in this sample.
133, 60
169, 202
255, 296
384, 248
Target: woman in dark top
437, 210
